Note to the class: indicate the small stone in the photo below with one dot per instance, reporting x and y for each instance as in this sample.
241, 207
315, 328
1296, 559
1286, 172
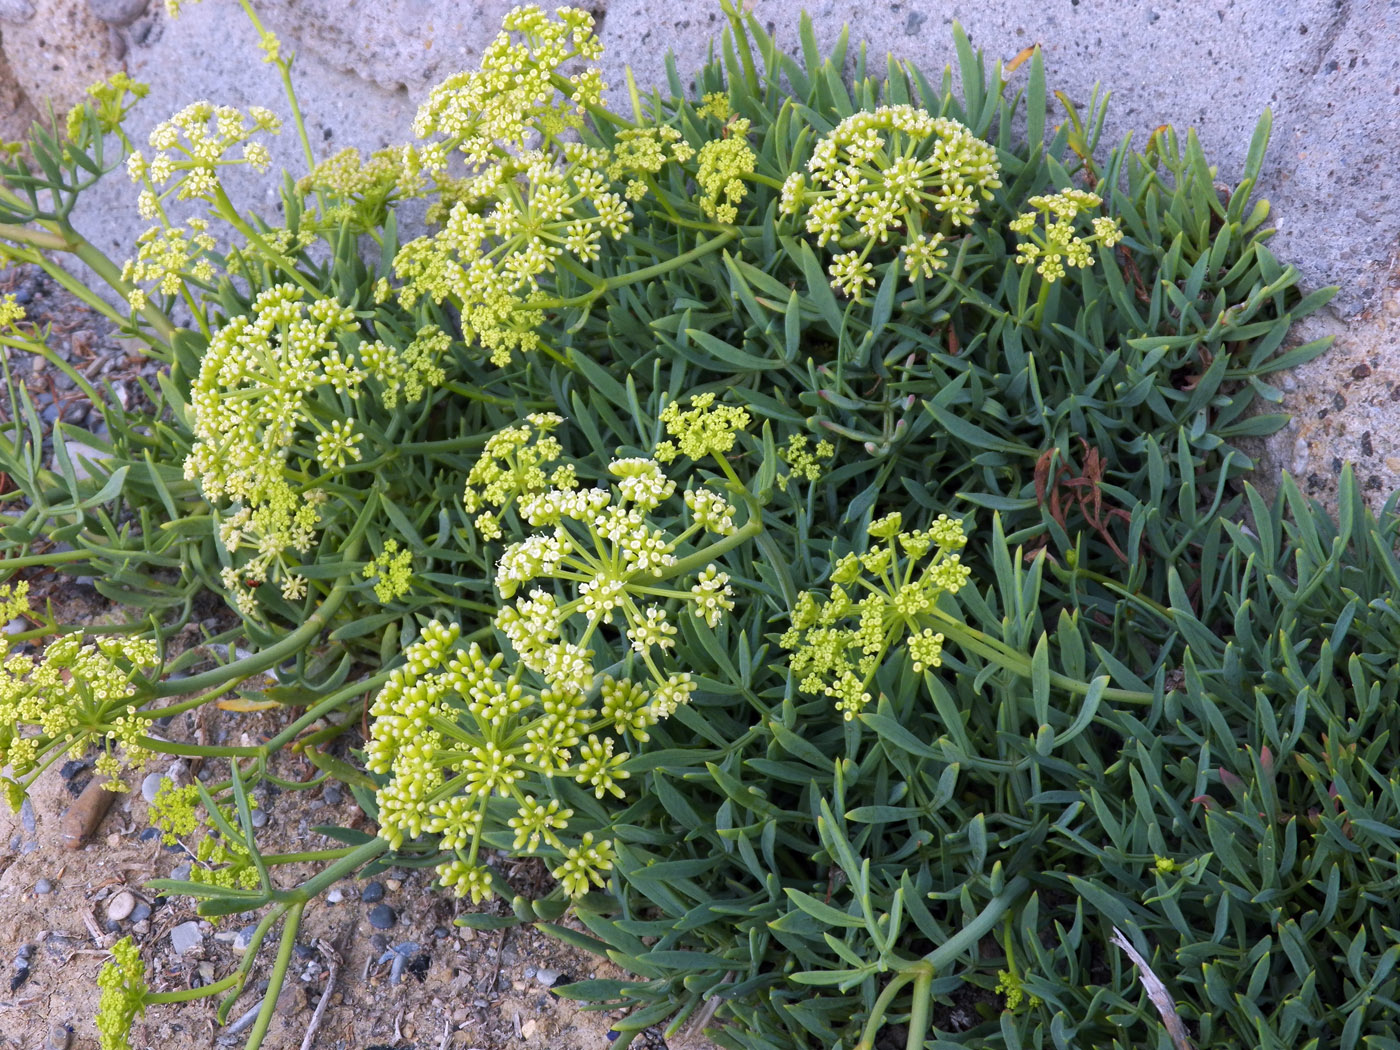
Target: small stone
441, 933
26, 816
181, 872
60, 1037
392, 885
372, 893
43, 887
304, 952
332, 795
243, 939
121, 906
335, 896
378, 942
150, 834
547, 977
527, 1030
382, 917
118, 12
150, 787
259, 818
141, 912
186, 937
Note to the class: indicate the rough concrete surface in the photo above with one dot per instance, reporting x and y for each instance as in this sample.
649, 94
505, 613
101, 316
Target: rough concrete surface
1330, 70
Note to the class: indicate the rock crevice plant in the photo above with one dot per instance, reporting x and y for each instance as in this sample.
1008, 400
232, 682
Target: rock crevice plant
804, 510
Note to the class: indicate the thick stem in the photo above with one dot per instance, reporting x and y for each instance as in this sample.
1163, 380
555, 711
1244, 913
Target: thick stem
278, 977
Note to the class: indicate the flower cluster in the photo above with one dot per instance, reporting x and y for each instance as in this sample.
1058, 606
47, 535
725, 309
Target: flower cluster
1059, 245
166, 256
893, 170
513, 100
454, 730
407, 372
891, 591
361, 187
603, 544
722, 165
124, 990
263, 409
804, 463
390, 570
704, 429
111, 99
513, 465
640, 152
192, 145
68, 698
492, 263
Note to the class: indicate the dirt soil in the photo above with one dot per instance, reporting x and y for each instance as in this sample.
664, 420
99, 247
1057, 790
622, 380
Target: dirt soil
458, 988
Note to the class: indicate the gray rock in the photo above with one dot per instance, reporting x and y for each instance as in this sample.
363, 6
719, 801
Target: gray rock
382, 917
43, 887
77, 453
26, 816
121, 906
150, 785
181, 872
259, 818
186, 937
16, 12
140, 913
118, 12
373, 892
335, 896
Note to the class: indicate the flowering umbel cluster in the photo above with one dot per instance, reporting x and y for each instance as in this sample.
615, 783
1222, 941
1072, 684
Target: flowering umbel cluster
896, 171
880, 599
273, 416
1058, 244
70, 697
456, 728
513, 465
124, 990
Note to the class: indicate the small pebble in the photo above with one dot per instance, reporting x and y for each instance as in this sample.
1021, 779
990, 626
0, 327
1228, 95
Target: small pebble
60, 1037
26, 816
150, 834
181, 872
43, 887
150, 786
244, 938
378, 942
441, 932
335, 896
185, 937
373, 892
141, 912
332, 795
392, 885
259, 818
547, 977
382, 917
73, 767
304, 952
121, 906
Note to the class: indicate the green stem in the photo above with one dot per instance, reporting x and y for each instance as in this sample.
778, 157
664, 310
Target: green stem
919, 1010
170, 747
348, 863
267, 658
646, 273
56, 558
308, 857
291, 925
184, 995
876, 1020
701, 558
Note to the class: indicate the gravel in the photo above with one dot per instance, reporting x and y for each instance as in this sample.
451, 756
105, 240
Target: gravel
382, 917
